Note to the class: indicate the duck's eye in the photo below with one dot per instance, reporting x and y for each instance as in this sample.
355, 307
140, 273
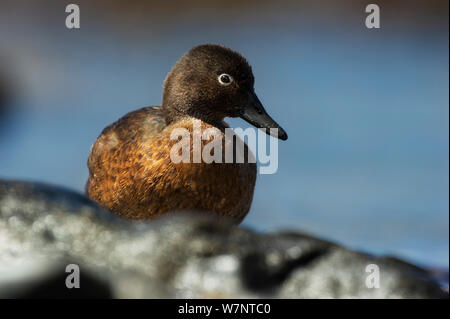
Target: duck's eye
225, 79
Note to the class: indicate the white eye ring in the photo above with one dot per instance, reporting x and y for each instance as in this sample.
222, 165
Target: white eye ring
225, 79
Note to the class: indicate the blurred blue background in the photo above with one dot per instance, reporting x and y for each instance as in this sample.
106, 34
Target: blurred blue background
366, 163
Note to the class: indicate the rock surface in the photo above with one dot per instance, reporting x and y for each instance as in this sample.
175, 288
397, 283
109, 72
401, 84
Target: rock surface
184, 255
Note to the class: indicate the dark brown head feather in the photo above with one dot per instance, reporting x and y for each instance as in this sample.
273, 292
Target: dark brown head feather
192, 89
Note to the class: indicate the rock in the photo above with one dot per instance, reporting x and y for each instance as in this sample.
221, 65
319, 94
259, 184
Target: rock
183, 255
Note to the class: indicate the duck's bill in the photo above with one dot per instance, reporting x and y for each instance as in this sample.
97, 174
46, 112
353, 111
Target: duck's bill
255, 114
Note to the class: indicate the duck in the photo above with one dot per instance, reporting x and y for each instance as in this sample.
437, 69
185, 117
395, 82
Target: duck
131, 168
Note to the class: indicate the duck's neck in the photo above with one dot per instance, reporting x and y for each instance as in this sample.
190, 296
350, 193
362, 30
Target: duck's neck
175, 114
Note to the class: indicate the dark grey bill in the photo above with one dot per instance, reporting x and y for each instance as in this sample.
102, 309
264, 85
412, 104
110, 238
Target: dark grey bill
255, 114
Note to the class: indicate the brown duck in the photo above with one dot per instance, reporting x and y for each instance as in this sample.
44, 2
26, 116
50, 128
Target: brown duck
131, 171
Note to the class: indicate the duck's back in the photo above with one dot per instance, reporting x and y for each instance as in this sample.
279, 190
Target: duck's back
145, 121
131, 173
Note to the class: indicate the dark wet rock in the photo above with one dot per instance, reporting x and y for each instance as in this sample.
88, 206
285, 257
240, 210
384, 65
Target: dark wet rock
184, 255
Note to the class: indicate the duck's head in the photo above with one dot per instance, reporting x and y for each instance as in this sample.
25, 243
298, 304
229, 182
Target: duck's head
212, 82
